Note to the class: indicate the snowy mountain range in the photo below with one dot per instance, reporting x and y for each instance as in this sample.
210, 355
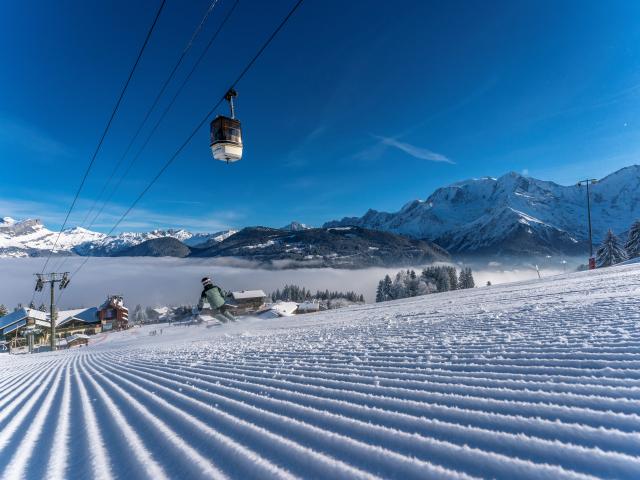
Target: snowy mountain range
514, 214
30, 238
510, 215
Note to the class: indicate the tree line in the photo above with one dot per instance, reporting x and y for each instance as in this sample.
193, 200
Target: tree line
612, 250
435, 279
294, 293
4, 311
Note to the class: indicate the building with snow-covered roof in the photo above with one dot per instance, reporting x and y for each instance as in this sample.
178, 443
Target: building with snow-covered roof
111, 315
14, 326
75, 340
309, 306
248, 301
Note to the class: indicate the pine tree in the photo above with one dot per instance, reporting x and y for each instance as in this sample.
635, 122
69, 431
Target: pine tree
387, 287
380, 292
466, 278
610, 251
3, 310
471, 283
413, 284
633, 242
442, 282
453, 278
398, 288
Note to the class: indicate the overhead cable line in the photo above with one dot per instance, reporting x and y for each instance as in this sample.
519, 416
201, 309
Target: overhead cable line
152, 107
171, 159
164, 114
106, 130
186, 50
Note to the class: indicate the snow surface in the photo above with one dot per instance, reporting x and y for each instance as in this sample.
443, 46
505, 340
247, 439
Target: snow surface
537, 379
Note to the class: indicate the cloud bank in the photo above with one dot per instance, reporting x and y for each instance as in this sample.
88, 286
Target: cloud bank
171, 281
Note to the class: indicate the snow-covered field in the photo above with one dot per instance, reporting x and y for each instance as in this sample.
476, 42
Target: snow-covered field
539, 379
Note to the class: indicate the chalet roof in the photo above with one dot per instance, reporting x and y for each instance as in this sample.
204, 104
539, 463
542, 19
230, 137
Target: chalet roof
14, 326
309, 305
22, 314
284, 309
86, 315
16, 319
77, 336
247, 294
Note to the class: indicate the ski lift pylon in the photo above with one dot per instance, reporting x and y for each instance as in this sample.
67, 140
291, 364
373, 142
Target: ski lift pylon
226, 134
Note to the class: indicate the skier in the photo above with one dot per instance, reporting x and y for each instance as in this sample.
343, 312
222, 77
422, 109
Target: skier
214, 296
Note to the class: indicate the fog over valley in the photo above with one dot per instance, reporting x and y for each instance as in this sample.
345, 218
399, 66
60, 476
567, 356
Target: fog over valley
171, 281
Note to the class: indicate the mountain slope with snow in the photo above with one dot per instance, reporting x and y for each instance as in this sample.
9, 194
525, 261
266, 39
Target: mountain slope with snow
31, 238
538, 379
28, 238
514, 214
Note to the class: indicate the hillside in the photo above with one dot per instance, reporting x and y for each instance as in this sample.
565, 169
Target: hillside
530, 380
157, 247
30, 238
513, 214
350, 247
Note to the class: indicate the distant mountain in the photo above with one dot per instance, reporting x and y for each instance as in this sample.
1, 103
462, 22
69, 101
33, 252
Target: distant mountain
295, 227
30, 238
349, 247
513, 214
198, 239
157, 247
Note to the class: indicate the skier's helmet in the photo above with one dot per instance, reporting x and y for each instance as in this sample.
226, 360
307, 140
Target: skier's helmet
206, 281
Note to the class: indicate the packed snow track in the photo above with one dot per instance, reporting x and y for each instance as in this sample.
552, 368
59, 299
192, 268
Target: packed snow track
529, 380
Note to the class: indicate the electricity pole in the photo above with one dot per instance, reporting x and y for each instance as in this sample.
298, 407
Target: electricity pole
52, 278
587, 182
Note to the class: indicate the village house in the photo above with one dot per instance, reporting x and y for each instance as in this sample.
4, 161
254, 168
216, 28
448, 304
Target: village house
308, 306
72, 341
248, 301
113, 315
28, 324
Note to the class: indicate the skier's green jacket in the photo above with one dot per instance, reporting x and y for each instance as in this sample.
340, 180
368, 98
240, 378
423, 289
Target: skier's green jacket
213, 295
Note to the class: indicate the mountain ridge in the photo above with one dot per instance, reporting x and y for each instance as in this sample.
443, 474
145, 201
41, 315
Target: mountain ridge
513, 214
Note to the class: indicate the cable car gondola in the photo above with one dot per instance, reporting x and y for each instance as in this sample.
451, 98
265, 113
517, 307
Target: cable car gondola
226, 134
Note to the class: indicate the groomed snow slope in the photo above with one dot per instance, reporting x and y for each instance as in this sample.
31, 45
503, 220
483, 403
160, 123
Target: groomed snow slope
530, 380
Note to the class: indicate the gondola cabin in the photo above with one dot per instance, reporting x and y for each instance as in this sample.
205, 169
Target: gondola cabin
226, 139
226, 134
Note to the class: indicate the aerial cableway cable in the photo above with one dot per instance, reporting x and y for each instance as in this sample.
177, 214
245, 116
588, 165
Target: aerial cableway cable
106, 130
171, 159
186, 50
164, 114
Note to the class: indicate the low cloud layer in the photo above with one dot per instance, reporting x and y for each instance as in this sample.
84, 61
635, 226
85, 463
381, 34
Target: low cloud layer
171, 281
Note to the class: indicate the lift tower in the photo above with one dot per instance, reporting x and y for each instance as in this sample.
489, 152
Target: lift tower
62, 279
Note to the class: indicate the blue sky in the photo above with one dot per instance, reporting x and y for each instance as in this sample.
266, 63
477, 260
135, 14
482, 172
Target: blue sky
356, 105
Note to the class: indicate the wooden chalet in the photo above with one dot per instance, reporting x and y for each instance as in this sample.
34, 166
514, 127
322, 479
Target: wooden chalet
28, 326
113, 315
72, 341
248, 301
15, 326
